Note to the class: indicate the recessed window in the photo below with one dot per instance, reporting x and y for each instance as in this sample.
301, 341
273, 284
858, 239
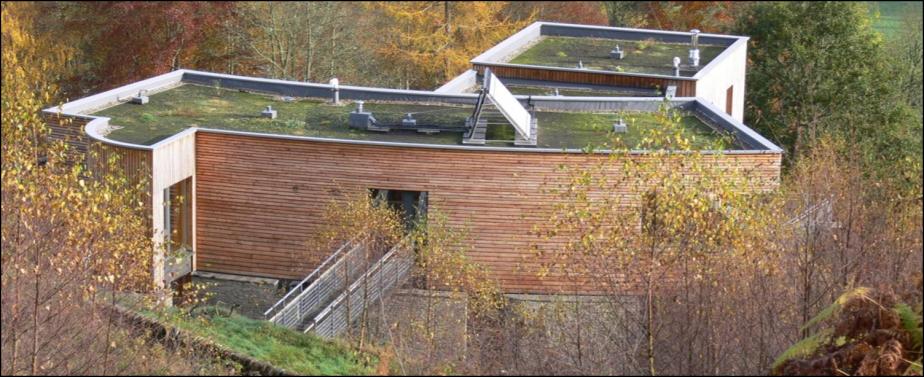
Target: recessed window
729, 95
178, 215
411, 205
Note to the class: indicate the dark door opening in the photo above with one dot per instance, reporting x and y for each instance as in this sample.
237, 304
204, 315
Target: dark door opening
411, 205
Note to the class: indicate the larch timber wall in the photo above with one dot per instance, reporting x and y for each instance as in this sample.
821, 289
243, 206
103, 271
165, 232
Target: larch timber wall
135, 163
260, 199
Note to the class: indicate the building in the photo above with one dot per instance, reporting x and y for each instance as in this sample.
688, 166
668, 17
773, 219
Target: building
608, 61
258, 159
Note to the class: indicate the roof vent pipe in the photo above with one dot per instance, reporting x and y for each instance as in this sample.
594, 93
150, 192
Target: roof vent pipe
335, 89
580, 64
694, 47
676, 66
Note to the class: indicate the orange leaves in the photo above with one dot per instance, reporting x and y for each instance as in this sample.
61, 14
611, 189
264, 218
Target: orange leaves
709, 16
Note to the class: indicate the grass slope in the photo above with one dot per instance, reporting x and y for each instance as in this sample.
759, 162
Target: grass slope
290, 350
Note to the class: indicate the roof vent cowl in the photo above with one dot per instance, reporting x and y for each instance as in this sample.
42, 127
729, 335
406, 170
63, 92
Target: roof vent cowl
694, 47
141, 98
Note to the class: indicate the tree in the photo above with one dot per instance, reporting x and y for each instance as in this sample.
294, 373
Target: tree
574, 12
668, 228
908, 61
120, 42
708, 16
858, 230
625, 13
817, 67
302, 41
73, 241
428, 43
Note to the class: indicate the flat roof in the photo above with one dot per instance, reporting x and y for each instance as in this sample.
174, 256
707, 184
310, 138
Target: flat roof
190, 105
185, 101
646, 52
640, 56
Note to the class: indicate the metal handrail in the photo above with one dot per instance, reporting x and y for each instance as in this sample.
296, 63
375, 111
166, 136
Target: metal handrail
805, 214
376, 268
301, 285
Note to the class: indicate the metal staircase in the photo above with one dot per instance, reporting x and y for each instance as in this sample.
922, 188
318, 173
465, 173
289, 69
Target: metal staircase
335, 294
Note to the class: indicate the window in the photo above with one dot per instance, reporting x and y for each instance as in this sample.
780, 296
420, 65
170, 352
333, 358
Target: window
729, 95
178, 215
412, 205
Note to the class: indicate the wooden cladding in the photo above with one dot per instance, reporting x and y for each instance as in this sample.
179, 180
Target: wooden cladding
259, 200
69, 130
685, 88
136, 164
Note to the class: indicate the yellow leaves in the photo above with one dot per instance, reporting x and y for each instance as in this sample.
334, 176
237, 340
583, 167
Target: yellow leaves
646, 213
433, 48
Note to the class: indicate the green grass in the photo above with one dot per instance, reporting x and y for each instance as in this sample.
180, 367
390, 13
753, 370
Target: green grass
645, 56
892, 15
293, 351
174, 110
579, 130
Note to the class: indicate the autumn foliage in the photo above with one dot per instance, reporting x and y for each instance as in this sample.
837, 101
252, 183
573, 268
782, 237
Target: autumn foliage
700, 268
73, 241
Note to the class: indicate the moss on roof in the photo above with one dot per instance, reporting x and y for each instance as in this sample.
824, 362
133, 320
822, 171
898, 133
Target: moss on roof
645, 56
174, 110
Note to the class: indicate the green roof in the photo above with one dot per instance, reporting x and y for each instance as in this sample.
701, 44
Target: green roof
188, 105
644, 56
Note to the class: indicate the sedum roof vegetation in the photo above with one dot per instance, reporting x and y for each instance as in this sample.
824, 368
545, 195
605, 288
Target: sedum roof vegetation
645, 56
188, 105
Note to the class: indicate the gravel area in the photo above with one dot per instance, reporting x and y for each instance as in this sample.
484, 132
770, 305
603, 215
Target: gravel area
248, 299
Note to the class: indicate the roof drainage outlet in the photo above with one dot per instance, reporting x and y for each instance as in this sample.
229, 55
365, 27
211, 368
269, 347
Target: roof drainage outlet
620, 126
617, 53
268, 113
141, 98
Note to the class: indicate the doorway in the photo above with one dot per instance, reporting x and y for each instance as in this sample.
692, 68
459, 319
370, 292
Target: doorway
411, 205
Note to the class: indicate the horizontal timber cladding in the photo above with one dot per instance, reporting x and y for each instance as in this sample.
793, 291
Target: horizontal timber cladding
69, 130
134, 163
259, 199
685, 88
